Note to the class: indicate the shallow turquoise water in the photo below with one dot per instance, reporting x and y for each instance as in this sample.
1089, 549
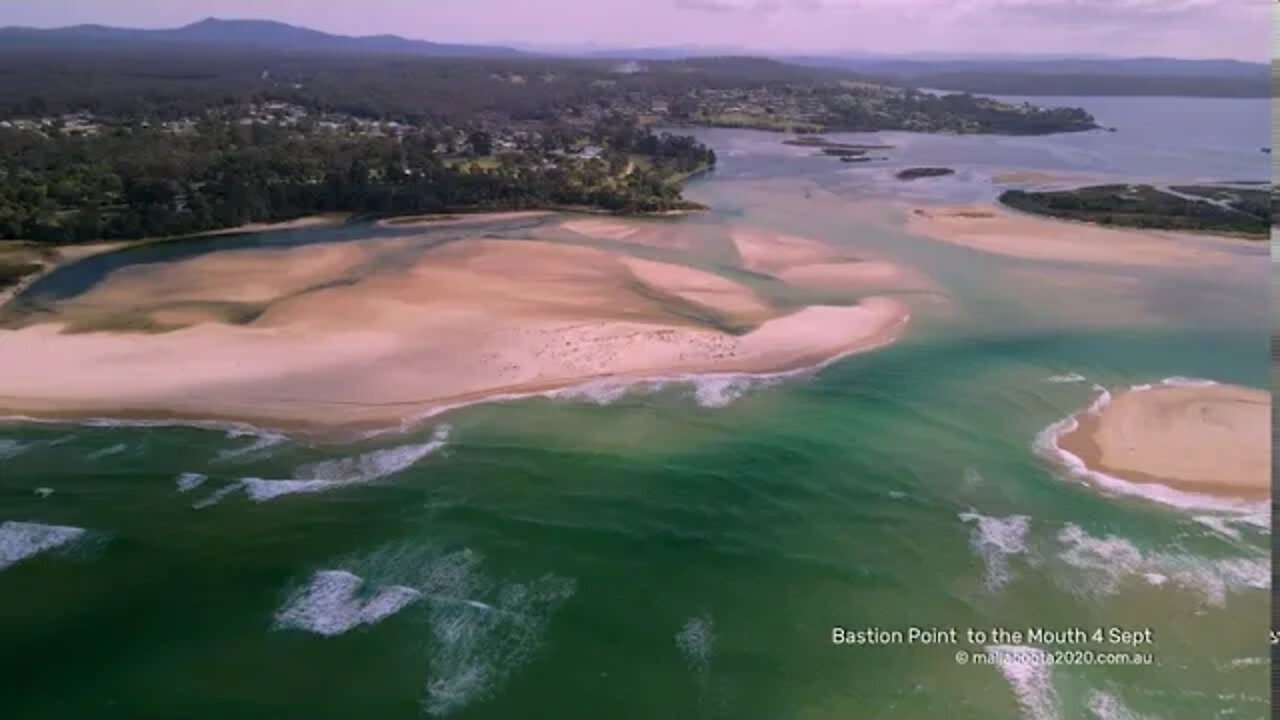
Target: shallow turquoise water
674, 551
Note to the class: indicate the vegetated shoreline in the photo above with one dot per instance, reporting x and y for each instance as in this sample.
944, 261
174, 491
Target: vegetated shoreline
1028, 203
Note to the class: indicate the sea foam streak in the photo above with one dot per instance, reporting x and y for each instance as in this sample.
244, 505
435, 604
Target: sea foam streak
996, 540
1105, 564
190, 481
107, 451
21, 540
481, 630
334, 474
262, 441
1030, 679
332, 604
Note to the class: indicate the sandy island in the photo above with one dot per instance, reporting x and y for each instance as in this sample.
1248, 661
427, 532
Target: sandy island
996, 230
1212, 439
365, 334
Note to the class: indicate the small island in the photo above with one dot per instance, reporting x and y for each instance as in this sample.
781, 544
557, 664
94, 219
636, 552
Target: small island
1220, 210
924, 172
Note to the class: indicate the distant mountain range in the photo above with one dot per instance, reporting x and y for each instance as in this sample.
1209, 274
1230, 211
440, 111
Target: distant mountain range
989, 74
259, 34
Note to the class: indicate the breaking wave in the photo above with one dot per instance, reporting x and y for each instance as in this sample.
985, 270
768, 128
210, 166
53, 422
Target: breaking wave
190, 481
262, 441
333, 603
1104, 564
1031, 682
481, 629
21, 540
334, 474
996, 540
107, 451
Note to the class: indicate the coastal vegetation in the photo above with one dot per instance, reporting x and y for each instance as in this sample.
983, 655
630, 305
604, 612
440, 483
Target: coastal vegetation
138, 181
924, 172
102, 143
1212, 209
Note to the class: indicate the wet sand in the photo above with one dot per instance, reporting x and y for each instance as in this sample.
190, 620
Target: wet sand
338, 345
993, 229
1212, 439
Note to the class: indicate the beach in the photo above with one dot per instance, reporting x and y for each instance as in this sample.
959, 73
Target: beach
991, 228
312, 338
1206, 438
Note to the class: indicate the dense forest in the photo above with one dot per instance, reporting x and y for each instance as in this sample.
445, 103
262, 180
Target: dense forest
149, 182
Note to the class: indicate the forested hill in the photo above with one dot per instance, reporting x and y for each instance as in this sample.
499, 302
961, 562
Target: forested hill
213, 33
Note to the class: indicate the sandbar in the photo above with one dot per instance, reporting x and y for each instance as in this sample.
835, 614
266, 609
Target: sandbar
995, 230
1212, 439
401, 333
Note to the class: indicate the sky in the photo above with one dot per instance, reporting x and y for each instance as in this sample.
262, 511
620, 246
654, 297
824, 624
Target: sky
1239, 29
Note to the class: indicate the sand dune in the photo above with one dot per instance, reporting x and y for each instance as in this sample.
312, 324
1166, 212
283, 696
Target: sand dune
456, 324
994, 230
1211, 438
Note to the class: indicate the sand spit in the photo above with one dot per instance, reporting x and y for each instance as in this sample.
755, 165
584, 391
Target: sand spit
1002, 232
461, 323
1211, 439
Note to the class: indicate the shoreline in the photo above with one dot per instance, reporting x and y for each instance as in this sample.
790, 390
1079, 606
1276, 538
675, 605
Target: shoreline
995, 229
1195, 445
332, 347
417, 412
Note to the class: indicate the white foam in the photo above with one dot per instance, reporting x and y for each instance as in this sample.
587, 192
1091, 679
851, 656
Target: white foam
107, 451
1106, 706
262, 441
190, 481
1178, 381
335, 474
696, 641
1030, 677
1068, 378
21, 540
331, 604
260, 490
996, 540
11, 448
478, 644
1218, 524
374, 465
971, 478
1107, 563
719, 391
43, 492
217, 496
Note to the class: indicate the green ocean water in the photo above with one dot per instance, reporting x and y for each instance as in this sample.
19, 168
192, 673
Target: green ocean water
681, 549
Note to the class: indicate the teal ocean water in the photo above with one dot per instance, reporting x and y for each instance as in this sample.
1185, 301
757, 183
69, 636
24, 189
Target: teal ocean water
683, 549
